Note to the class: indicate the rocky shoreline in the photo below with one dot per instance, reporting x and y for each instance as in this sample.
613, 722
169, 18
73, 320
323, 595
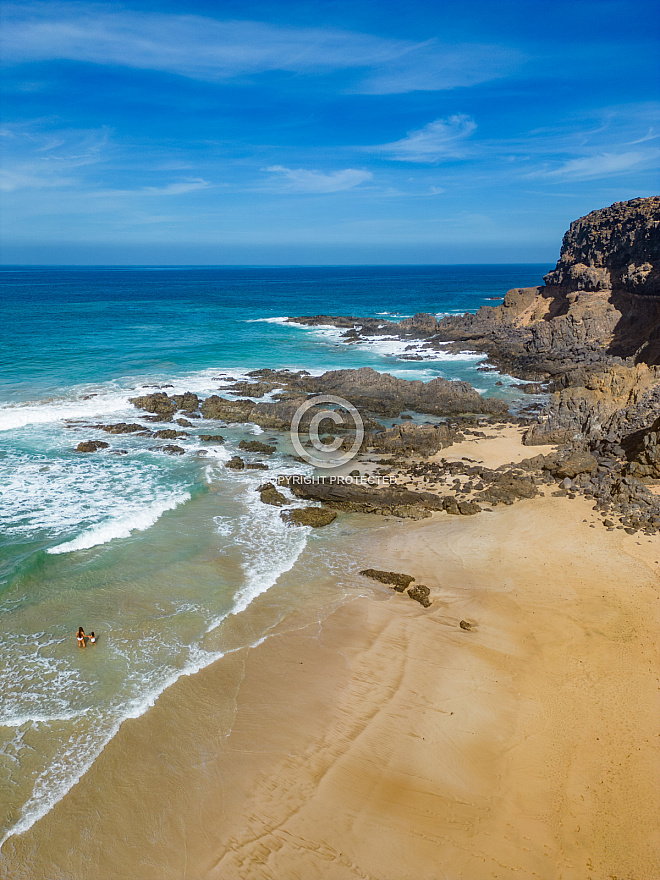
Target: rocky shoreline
589, 338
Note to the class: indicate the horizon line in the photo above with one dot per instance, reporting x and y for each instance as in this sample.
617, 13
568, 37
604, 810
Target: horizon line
255, 265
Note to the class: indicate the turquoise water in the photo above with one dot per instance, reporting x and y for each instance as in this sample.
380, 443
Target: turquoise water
159, 554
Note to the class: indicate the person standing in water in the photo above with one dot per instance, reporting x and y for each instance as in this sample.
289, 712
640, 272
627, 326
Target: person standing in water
92, 638
80, 635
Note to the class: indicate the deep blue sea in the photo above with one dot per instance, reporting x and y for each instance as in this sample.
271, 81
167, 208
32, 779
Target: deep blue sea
160, 554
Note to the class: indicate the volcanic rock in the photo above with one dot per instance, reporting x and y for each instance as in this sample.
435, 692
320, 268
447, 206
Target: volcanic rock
91, 445
171, 449
386, 501
400, 582
270, 495
309, 516
420, 594
256, 446
120, 428
158, 403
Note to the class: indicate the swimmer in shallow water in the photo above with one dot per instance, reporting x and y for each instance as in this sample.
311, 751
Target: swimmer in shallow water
92, 638
80, 635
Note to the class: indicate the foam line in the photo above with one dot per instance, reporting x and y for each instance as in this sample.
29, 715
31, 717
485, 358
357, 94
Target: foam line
122, 526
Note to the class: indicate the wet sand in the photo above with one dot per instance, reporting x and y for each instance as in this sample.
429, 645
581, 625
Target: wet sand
386, 742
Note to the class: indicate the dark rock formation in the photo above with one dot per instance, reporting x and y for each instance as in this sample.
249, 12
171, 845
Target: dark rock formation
171, 449
412, 439
387, 501
420, 594
236, 463
613, 248
508, 487
270, 495
256, 446
385, 395
187, 402
120, 428
578, 462
251, 389
211, 438
400, 582
168, 434
91, 445
317, 517
158, 403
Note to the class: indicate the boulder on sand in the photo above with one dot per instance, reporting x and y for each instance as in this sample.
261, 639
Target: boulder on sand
400, 582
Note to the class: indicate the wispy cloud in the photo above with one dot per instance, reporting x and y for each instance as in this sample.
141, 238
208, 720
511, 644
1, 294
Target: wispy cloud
32, 159
433, 66
169, 189
601, 165
209, 49
442, 139
302, 180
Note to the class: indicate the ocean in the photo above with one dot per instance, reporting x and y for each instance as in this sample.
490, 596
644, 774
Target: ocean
172, 560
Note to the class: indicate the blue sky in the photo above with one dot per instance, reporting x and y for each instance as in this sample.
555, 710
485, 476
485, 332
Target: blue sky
325, 131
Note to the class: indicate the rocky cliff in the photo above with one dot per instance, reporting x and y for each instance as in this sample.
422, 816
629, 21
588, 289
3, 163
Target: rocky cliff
602, 299
615, 248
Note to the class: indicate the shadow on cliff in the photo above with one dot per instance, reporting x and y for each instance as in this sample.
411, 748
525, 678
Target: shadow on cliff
637, 333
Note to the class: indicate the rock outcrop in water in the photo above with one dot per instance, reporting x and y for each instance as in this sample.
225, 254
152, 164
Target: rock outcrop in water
374, 394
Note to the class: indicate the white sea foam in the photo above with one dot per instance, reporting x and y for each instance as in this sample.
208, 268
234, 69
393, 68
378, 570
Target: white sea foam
390, 346
58, 495
14, 416
83, 748
269, 547
123, 526
280, 320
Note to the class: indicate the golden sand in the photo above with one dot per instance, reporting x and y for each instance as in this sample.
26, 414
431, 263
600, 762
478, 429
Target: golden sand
388, 743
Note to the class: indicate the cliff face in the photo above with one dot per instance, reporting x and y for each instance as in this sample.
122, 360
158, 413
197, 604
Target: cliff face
615, 248
602, 299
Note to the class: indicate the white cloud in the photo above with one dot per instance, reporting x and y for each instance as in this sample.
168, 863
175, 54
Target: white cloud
601, 165
169, 189
206, 48
302, 180
433, 66
442, 139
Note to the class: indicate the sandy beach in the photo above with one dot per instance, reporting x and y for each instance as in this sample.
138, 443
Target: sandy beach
387, 742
